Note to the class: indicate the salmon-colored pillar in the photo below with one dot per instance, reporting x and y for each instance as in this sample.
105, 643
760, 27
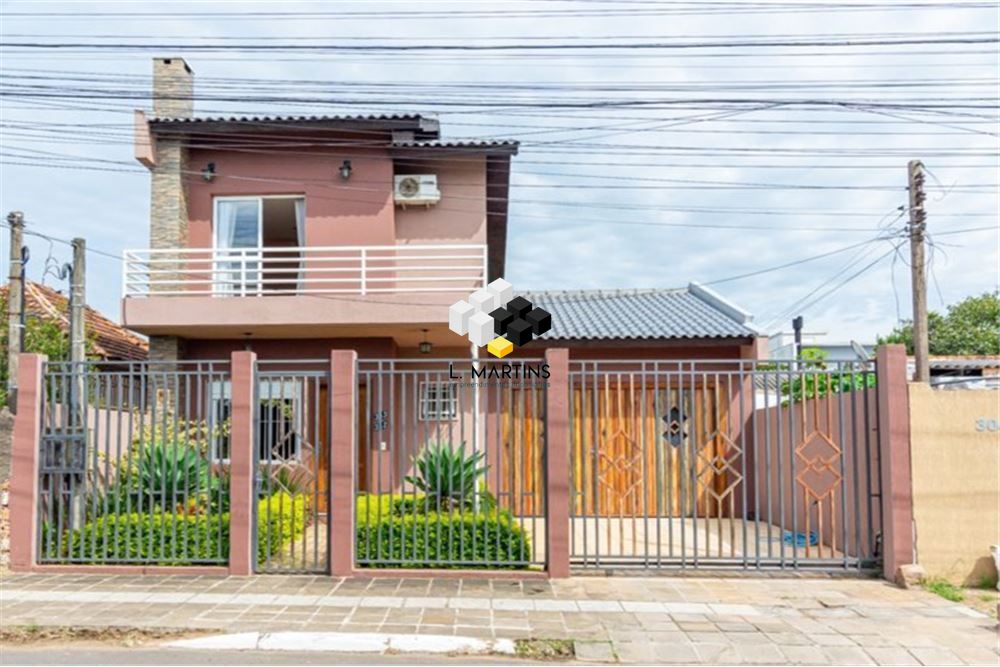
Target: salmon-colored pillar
343, 421
557, 430
242, 461
24, 463
894, 446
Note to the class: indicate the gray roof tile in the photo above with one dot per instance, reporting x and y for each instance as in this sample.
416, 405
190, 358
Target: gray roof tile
691, 312
460, 143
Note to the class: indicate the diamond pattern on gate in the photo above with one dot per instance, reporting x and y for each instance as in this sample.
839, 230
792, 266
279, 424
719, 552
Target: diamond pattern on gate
819, 455
296, 471
630, 465
720, 465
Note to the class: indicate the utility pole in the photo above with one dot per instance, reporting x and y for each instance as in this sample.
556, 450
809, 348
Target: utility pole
77, 355
797, 328
77, 302
15, 304
918, 275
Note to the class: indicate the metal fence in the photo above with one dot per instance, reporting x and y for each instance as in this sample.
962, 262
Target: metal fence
129, 463
450, 464
740, 464
292, 474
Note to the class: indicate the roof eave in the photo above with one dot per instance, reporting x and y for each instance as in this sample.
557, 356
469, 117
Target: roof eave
422, 127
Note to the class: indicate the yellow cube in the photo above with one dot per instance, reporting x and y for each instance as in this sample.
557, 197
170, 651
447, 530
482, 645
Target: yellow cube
500, 347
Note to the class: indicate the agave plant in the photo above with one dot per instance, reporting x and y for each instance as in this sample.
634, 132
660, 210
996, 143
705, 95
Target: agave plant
167, 474
447, 475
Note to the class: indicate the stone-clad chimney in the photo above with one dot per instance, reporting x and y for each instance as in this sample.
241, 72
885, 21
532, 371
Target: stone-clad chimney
173, 97
173, 88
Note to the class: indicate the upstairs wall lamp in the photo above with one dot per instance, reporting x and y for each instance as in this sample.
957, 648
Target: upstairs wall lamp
208, 173
425, 345
345, 170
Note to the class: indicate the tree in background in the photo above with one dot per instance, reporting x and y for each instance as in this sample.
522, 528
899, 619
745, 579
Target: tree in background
41, 336
812, 378
971, 326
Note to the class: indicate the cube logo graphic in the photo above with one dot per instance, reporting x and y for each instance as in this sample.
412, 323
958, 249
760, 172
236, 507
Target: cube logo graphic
494, 317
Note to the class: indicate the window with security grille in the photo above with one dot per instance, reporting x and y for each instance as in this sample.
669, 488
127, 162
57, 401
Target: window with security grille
279, 420
438, 401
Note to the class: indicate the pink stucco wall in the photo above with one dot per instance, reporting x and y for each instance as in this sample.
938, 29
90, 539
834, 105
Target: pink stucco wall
354, 212
359, 211
460, 216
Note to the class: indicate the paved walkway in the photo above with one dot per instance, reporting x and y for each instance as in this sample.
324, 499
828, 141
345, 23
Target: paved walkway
627, 619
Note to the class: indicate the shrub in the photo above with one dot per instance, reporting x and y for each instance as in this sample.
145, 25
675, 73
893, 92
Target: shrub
465, 539
378, 507
168, 538
281, 518
447, 475
161, 538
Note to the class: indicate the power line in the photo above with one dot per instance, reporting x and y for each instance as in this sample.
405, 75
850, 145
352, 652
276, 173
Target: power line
69, 242
797, 262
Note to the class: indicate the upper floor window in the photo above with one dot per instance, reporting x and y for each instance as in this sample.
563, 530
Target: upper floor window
256, 243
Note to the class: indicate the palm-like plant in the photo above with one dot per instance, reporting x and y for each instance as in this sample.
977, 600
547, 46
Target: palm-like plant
446, 475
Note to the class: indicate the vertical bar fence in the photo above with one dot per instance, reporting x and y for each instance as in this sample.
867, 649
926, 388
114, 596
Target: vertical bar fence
130, 463
450, 464
732, 464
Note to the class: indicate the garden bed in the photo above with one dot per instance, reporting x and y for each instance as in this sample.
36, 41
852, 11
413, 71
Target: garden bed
396, 531
177, 538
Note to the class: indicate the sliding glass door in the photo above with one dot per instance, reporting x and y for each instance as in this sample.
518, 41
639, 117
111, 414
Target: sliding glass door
257, 245
237, 243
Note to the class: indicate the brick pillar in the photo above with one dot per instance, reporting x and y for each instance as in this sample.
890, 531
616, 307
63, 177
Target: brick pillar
24, 463
894, 453
242, 463
343, 460
557, 434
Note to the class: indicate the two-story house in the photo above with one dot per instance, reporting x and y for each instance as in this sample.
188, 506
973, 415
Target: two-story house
293, 234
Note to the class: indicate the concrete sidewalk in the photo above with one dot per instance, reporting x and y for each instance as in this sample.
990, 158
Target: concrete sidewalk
727, 620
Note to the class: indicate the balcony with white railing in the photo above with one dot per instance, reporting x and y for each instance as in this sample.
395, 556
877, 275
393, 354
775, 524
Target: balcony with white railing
243, 287
290, 271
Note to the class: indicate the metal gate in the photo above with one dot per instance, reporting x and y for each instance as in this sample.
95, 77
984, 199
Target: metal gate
129, 463
450, 464
292, 473
724, 464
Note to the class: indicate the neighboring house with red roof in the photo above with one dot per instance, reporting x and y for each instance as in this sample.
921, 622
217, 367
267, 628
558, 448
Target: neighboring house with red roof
108, 341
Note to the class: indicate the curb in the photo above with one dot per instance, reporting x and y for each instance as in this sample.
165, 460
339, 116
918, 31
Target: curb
342, 642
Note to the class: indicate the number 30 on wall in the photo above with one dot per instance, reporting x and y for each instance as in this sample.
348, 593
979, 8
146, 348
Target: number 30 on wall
983, 424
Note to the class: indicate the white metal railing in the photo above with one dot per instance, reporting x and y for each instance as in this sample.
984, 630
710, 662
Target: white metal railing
266, 271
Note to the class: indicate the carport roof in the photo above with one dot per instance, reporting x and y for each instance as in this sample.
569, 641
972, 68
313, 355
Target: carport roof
694, 311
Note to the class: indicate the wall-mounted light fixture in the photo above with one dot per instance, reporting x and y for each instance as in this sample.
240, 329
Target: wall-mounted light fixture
208, 173
425, 345
345, 170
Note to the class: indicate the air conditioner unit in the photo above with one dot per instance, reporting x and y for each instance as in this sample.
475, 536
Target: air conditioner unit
416, 189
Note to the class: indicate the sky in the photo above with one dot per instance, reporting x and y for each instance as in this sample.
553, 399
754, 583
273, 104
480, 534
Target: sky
639, 167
